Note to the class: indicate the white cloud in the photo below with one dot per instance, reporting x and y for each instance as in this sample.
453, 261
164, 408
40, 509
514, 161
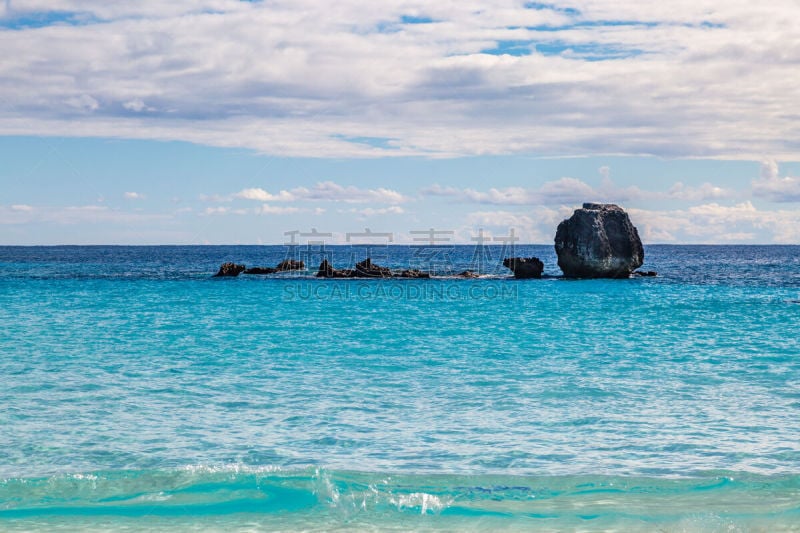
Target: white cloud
264, 209
715, 223
704, 192
538, 227
325, 191
263, 196
774, 188
561, 191
70, 215
279, 210
137, 106
371, 211
134, 195
297, 78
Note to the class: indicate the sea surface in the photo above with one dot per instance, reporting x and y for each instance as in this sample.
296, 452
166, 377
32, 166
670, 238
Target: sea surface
137, 392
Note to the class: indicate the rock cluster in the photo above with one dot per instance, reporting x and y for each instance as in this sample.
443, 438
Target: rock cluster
284, 266
366, 269
233, 270
598, 241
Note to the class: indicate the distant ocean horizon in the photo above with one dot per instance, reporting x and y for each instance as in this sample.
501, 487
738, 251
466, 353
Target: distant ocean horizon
140, 393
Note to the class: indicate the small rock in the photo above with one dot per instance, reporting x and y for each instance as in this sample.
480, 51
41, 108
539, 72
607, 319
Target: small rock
326, 270
524, 267
230, 270
468, 274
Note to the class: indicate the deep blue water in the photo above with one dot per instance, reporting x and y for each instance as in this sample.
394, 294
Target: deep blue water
138, 392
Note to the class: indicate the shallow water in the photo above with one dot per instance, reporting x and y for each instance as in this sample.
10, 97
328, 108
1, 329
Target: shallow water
137, 392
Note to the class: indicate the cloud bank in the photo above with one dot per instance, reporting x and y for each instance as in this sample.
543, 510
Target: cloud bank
700, 78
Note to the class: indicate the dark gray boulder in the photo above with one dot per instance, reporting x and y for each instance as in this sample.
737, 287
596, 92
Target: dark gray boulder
524, 267
598, 241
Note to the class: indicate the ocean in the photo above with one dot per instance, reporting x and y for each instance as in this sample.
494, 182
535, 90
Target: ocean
137, 392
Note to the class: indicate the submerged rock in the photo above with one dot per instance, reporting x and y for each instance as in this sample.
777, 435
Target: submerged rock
645, 273
411, 273
598, 241
229, 270
524, 267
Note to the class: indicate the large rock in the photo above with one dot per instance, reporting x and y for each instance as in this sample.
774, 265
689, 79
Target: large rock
598, 241
524, 267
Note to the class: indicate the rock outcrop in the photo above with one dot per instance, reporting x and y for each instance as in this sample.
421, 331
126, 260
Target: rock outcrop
598, 241
524, 267
468, 274
367, 269
326, 270
290, 264
229, 270
260, 270
412, 273
284, 266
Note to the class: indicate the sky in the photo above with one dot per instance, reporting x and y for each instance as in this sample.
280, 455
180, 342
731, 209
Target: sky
227, 121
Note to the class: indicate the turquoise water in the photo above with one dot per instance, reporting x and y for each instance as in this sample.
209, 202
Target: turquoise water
136, 392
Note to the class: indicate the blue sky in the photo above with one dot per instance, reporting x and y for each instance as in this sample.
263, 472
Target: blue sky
223, 121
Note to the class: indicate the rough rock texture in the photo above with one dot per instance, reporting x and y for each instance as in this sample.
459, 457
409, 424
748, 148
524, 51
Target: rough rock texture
524, 267
598, 241
229, 270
